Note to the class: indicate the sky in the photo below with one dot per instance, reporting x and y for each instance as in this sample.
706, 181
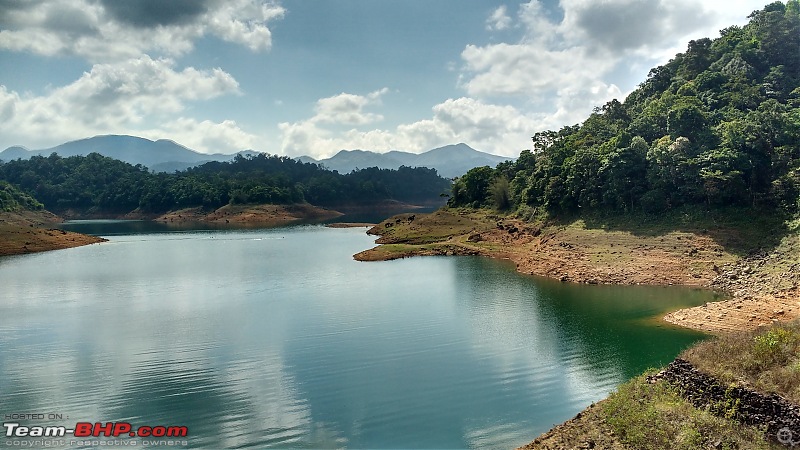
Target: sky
301, 77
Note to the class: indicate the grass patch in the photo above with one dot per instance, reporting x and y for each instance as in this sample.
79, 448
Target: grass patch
739, 230
767, 361
435, 227
654, 416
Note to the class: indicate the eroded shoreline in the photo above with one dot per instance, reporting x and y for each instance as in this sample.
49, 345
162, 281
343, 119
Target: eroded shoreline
762, 289
33, 232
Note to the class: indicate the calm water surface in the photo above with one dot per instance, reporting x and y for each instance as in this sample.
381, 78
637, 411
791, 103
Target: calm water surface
278, 338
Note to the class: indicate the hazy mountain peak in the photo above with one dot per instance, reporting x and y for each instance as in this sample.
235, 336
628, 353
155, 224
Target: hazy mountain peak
167, 155
161, 155
450, 161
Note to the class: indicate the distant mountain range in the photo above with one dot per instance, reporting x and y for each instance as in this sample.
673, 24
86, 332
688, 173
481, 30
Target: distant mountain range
160, 156
450, 161
168, 156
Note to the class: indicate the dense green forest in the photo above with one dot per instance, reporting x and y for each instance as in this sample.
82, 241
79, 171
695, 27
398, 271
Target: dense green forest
103, 184
12, 199
718, 125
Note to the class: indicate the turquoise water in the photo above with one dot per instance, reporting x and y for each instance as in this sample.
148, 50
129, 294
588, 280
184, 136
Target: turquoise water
278, 338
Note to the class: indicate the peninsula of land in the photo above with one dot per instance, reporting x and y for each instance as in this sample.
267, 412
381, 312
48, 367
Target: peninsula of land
757, 266
24, 232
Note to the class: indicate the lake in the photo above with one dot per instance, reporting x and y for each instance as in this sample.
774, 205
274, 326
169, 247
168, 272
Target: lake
278, 338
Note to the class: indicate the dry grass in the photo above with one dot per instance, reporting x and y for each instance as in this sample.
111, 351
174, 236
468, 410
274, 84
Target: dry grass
29, 232
767, 360
577, 250
654, 416
645, 416
434, 227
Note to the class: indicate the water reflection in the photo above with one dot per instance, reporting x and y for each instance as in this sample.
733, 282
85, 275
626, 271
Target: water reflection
277, 338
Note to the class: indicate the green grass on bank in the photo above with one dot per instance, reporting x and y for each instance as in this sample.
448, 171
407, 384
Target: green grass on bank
739, 230
767, 361
654, 416
435, 227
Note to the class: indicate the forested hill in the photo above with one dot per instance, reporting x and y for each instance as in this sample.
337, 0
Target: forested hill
717, 125
98, 184
13, 200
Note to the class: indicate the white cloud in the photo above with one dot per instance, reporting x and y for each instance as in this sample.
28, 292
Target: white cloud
498, 129
348, 109
621, 25
112, 30
114, 98
590, 41
127, 91
206, 136
309, 136
538, 26
244, 22
8, 104
562, 68
499, 19
303, 138
528, 70
493, 128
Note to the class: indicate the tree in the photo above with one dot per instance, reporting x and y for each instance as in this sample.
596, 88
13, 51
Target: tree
624, 171
500, 190
472, 189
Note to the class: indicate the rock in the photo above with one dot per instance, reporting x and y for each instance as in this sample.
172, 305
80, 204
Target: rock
705, 391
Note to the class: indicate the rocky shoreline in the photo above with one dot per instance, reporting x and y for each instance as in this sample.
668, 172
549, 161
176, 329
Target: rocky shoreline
747, 406
775, 416
764, 289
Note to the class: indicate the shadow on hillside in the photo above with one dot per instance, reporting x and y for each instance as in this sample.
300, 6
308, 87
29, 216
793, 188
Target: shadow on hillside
741, 231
